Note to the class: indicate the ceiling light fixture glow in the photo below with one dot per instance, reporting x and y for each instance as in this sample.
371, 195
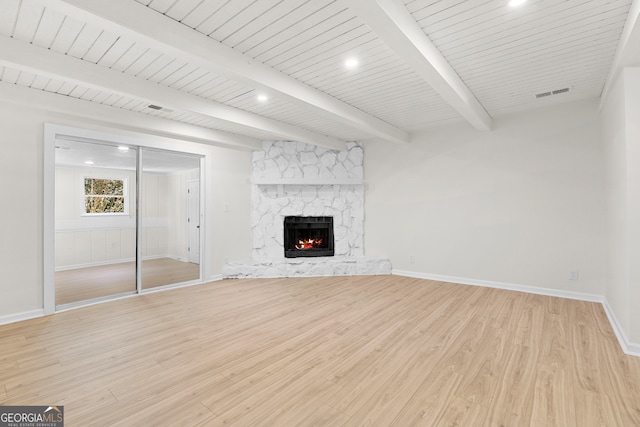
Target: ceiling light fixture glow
262, 98
88, 162
123, 148
351, 63
516, 3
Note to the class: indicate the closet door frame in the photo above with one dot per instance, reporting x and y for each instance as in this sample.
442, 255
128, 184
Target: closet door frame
51, 133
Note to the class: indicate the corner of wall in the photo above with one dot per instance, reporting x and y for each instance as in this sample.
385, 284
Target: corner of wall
630, 348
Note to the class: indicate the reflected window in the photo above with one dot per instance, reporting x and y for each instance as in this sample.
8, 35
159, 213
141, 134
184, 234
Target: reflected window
105, 196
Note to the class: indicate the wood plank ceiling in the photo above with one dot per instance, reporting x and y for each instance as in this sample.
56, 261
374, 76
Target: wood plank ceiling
210, 59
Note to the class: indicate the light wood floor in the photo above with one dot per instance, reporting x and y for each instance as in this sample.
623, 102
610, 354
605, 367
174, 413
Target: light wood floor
82, 284
379, 351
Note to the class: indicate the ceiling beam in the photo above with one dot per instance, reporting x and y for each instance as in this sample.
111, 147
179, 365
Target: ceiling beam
627, 51
155, 30
393, 23
79, 110
25, 56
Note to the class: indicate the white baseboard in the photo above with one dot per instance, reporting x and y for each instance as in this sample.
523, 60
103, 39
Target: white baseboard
215, 278
177, 258
500, 285
118, 261
94, 264
630, 348
17, 317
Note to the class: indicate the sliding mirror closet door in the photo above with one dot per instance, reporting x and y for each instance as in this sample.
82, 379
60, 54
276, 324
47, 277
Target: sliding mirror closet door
95, 221
169, 239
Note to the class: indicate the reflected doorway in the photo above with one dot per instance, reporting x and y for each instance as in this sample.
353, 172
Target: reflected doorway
166, 212
193, 220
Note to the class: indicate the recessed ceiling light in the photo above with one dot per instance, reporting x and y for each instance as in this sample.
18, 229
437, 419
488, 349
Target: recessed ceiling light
514, 3
351, 63
123, 148
88, 162
262, 98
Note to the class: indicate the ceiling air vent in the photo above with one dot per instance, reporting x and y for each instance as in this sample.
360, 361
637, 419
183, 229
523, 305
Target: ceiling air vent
553, 92
159, 108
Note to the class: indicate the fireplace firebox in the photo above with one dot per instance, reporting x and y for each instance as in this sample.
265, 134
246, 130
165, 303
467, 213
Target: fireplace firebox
308, 236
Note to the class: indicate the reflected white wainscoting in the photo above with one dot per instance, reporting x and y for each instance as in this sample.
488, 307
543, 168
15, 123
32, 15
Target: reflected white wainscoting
82, 247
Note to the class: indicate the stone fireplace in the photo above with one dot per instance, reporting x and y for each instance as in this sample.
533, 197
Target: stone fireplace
292, 179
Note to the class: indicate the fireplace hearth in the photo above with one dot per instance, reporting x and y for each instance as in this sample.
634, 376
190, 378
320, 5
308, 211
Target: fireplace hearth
308, 236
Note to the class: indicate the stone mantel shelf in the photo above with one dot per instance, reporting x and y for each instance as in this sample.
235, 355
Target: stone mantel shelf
308, 181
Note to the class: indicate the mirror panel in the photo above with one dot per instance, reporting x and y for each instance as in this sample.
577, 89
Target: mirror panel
169, 218
95, 211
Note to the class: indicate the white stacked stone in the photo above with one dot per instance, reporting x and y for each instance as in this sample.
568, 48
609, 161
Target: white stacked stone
297, 162
308, 267
287, 159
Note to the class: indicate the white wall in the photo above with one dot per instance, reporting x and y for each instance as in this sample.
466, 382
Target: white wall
21, 216
522, 204
632, 90
621, 139
230, 194
83, 240
616, 261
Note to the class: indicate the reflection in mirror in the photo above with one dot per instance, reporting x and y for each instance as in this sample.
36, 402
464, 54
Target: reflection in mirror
169, 218
95, 229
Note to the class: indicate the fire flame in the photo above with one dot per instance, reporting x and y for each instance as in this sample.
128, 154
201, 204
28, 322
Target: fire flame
309, 243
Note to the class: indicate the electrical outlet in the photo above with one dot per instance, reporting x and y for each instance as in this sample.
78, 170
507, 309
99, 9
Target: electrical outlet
412, 259
225, 207
573, 275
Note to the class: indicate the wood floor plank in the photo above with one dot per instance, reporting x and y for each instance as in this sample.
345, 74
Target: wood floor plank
270, 403
598, 411
163, 401
554, 402
481, 380
263, 379
311, 415
427, 402
529, 327
171, 412
515, 391
460, 412
337, 351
